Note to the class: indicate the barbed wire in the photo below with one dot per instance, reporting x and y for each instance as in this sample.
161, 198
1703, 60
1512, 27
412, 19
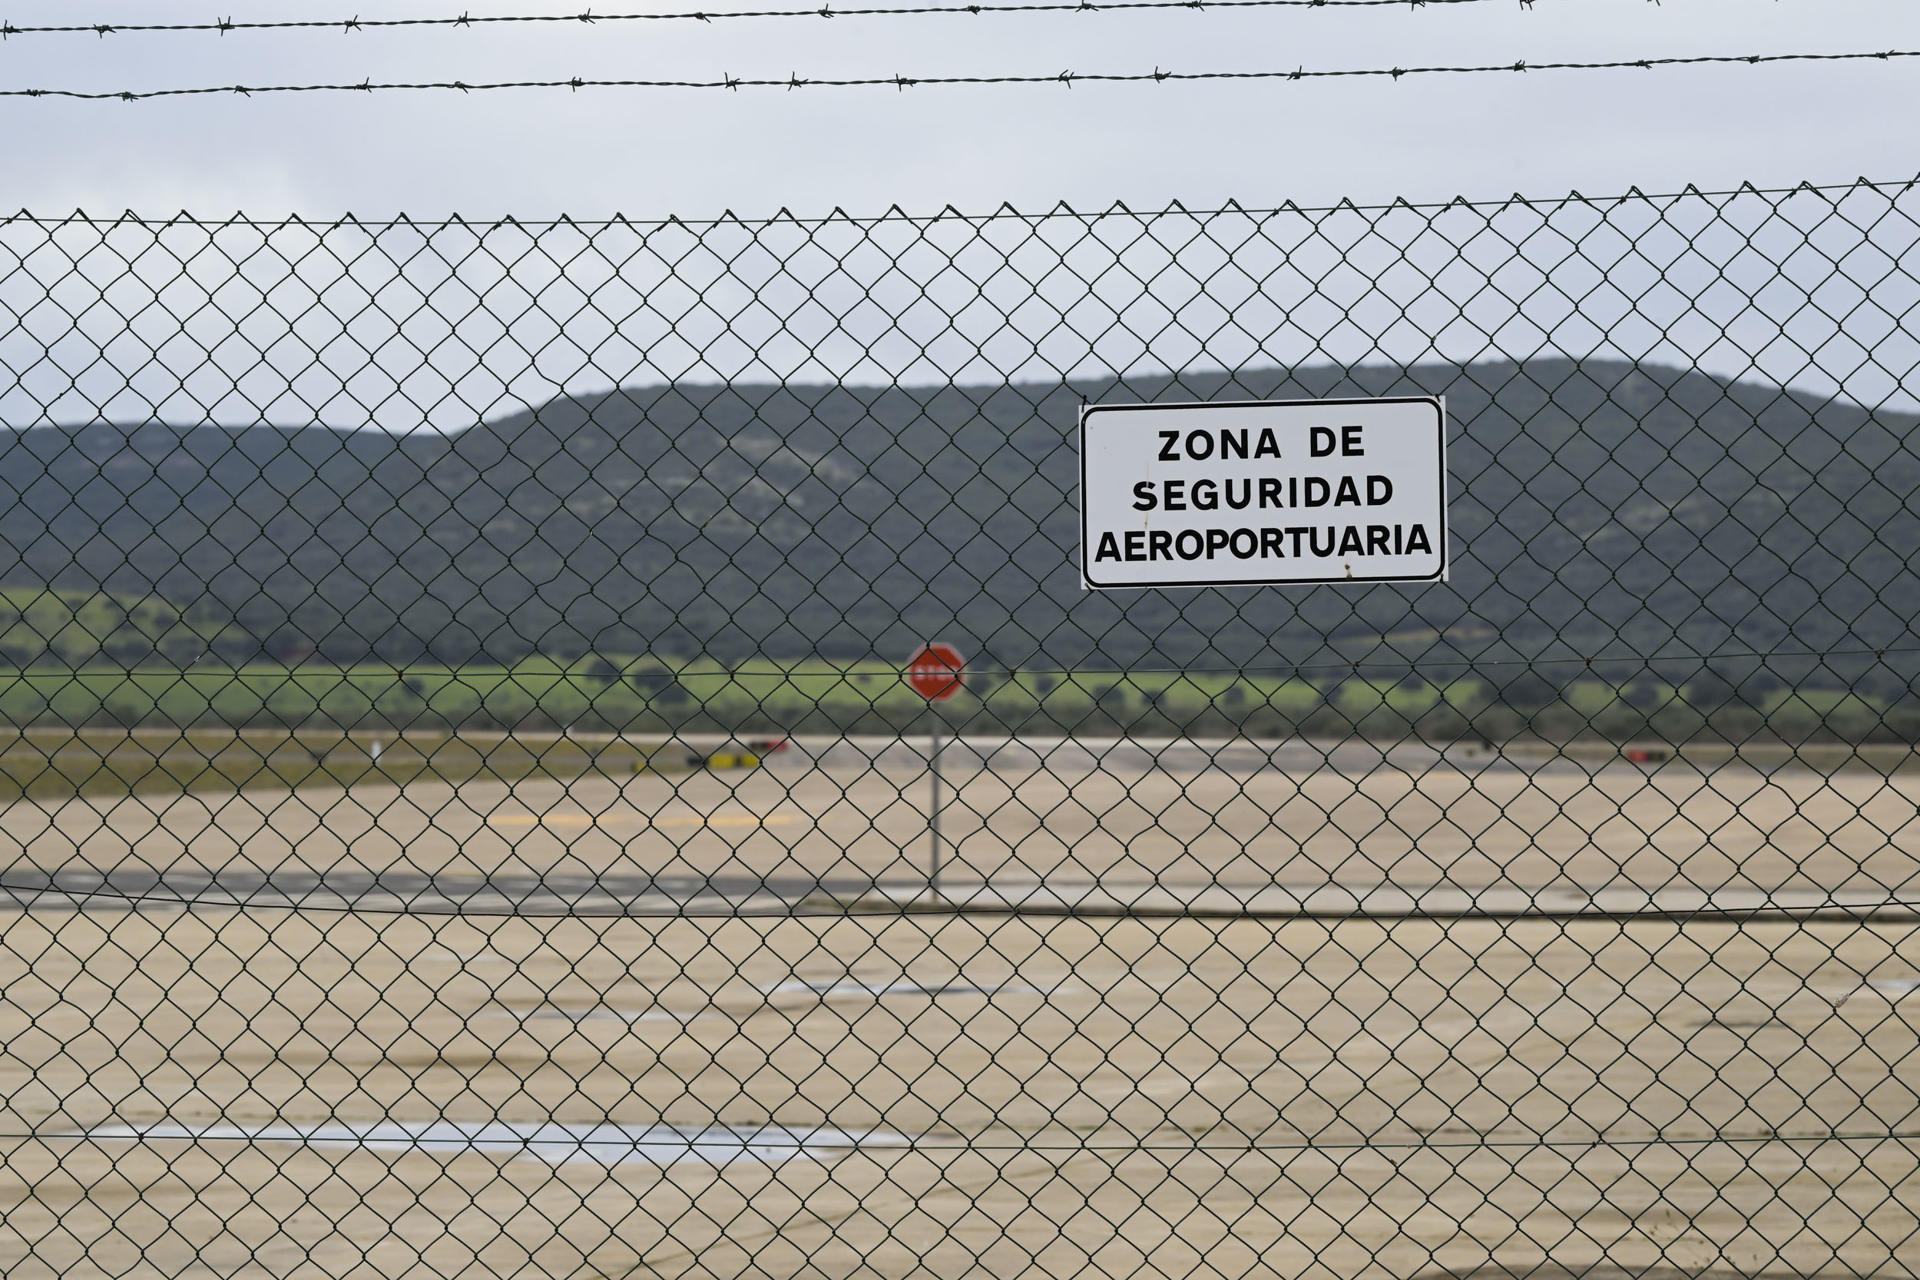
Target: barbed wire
349, 26
1066, 79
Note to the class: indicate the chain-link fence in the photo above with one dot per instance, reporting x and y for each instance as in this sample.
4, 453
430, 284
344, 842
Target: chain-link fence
462, 813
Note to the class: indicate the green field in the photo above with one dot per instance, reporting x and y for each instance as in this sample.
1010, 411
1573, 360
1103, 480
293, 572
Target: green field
80, 658
649, 697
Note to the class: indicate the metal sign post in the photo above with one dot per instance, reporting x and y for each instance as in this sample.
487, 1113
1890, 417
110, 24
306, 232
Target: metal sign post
933, 810
935, 673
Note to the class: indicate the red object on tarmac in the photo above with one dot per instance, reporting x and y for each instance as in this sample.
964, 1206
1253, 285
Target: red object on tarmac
936, 672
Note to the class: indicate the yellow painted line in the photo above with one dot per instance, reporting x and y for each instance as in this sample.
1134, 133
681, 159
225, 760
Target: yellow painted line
677, 820
735, 820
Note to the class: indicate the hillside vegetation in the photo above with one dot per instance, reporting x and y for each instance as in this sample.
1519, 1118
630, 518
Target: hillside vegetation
1618, 520
71, 629
647, 697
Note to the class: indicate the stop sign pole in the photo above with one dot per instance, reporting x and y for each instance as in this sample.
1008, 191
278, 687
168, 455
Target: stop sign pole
935, 673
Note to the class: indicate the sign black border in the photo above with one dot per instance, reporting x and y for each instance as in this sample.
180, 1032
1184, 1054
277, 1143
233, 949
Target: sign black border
1440, 409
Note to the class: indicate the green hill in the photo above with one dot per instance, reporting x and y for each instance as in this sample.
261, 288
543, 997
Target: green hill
1600, 510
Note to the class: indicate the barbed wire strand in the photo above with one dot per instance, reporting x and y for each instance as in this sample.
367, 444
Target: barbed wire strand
1066, 79
349, 26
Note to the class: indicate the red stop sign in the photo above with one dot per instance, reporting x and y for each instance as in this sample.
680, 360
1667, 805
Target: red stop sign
936, 671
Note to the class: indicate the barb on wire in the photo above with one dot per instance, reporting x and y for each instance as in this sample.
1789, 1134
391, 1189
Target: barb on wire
901, 81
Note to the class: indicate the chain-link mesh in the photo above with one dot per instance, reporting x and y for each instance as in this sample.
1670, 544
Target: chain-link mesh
463, 814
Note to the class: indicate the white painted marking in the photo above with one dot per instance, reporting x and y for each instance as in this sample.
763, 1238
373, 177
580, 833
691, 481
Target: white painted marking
553, 1141
607, 1013
831, 989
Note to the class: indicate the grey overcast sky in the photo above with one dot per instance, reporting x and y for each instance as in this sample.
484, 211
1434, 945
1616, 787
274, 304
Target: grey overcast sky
694, 153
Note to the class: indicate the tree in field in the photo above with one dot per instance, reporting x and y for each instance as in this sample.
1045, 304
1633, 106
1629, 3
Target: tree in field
1529, 693
1709, 691
659, 687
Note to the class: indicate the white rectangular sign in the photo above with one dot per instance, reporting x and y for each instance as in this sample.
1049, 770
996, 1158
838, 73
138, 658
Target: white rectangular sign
1259, 492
